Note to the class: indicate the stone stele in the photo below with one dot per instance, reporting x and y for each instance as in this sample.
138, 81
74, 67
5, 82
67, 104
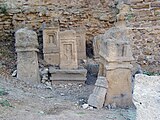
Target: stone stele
68, 50
51, 47
27, 60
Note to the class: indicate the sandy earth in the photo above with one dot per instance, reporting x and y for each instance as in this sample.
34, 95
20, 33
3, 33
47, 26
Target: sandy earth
63, 102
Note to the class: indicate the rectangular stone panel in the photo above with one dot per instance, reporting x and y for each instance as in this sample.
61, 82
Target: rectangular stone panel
58, 75
50, 40
51, 45
68, 50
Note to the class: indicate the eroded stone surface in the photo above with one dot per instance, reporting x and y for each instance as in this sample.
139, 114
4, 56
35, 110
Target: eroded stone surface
81, 44
51, 45
67, 75
27, 60
97, 98
68, 50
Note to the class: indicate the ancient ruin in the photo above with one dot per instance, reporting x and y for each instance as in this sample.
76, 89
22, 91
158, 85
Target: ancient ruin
115, 56
27, 60
113, 53
64, 50
70, 57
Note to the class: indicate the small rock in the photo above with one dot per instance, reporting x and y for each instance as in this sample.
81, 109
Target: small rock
90, 108
85, 106
65, 86
62, 94
108, 106
82, 101
43, 81
69, 84
14, 74
44, 77
113, 105
48, 83
41, 112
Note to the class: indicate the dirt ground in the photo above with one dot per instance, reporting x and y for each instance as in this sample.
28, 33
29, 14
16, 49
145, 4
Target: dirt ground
64, 101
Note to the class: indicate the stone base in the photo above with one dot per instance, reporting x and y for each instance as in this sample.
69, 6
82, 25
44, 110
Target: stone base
62, 76
120, 90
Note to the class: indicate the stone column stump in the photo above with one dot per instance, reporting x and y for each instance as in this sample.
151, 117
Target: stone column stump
27, 60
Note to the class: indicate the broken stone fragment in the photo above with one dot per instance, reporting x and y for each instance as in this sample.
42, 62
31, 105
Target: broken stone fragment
97, 98
85, 106
14, 74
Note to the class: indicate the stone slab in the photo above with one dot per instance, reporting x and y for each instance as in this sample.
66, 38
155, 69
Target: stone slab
59, 75
68, 50
50, 40
51, 45
97, 98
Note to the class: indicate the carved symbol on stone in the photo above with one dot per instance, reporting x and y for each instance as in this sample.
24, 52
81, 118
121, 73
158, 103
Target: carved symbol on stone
52, 39
68, 53
121, 49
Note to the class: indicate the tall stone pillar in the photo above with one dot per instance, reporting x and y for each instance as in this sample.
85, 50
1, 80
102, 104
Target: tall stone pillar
27, 60
118, 68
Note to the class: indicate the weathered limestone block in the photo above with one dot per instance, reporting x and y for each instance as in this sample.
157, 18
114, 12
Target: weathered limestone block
81, 44
51, 45
27, 60
68, 50
97, 98
96, 45
118, 67
120, 86
67, 75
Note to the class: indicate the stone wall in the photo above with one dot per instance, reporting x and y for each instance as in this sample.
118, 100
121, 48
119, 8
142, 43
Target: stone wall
95, 16
144, 23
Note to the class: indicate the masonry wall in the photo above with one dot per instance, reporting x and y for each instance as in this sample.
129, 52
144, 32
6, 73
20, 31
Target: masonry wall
144, 22
94, 16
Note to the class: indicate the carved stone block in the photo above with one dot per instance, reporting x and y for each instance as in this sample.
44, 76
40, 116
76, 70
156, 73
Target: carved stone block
97, 98
51, 45
61, 75
27, 60
68, 50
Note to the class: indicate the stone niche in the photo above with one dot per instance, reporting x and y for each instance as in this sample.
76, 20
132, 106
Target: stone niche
61, 49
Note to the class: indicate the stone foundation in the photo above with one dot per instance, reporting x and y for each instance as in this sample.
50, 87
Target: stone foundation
62, 76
